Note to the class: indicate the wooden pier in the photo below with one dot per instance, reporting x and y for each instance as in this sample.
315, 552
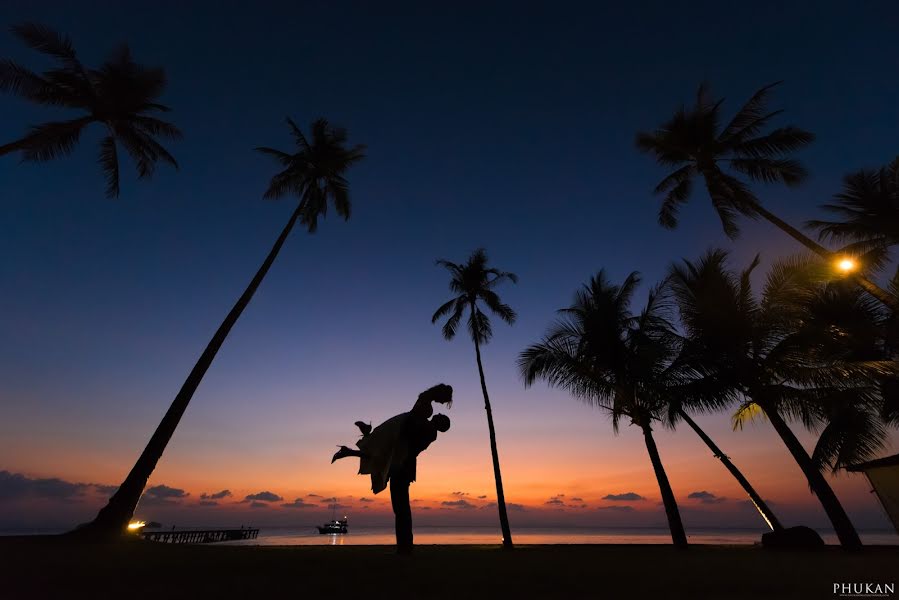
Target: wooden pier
206, 536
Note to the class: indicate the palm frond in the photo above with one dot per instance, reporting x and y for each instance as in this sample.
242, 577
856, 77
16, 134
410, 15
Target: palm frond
109, 162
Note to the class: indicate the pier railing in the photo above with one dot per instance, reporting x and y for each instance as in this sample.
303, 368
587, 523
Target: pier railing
203, 536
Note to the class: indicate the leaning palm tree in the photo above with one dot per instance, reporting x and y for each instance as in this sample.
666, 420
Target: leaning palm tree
867, 209
615, 360
474, 283
121, 95
693, 143
785, 362
315, 174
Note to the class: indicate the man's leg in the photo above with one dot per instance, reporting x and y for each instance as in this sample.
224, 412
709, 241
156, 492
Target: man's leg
402, 510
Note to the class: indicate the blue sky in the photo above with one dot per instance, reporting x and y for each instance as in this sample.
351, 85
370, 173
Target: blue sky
509, 126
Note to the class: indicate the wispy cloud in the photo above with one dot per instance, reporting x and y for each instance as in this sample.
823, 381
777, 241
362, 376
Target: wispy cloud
625, 497
706, 497
265, 496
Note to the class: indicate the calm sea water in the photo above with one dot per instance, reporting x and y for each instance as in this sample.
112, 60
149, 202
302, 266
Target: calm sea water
308, 536
525, 535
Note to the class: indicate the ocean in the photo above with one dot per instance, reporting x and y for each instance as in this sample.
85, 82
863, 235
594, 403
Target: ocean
287, 536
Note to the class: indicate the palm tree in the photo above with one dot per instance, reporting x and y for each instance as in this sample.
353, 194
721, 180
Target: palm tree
786, 355
120, 95
693, 143
610, 358
315, 173
473, 283
868, 209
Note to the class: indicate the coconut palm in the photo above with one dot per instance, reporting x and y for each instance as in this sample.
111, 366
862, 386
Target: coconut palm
867, 209
315, 174
610, 358
121, 95
693, 143
474, 284
785, 355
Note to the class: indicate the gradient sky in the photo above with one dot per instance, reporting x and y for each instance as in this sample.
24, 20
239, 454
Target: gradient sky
509, 127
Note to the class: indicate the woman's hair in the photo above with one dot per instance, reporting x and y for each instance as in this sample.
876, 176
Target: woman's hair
439, 393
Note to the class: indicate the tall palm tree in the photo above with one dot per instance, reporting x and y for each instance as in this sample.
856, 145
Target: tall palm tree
315, 174
121, 95
613, 359
694, 144
867, 209
782, 359
474, 283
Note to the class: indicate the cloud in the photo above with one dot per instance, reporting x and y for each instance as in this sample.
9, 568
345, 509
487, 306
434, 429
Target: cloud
576, 499
706, 497
216, 496
208, 503
257, 504
14, 486
460, 503
482, 497
492, 505
298, 503
364, 499
106, 490
164, 491
625, 497
617, 508
265, 496
422, 508
163, 495
338, 506
331, 499
514, 506
460, 493
313, 496
555, 501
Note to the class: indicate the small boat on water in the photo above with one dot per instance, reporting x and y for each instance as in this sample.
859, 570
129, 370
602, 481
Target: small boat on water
333, 527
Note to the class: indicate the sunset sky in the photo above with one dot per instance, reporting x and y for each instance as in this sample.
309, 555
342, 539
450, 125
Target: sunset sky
509, 127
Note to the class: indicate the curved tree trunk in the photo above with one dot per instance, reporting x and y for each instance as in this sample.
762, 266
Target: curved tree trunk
113, 519
678, 535
886, 298
839, 519
760, 504
500, 496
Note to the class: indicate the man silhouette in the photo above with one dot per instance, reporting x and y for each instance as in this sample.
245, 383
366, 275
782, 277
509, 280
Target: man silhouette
389, 453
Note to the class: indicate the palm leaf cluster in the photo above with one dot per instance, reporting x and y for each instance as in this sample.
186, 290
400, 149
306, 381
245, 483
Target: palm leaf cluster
810, 348
315, 172
695, 145
121, 94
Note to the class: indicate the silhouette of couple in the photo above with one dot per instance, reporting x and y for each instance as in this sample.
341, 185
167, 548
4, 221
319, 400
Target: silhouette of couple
389, 453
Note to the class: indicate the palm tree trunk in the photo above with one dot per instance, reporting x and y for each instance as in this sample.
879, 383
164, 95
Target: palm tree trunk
839, 519
113, 519
760, 504
500, 496
886, 298
678, 535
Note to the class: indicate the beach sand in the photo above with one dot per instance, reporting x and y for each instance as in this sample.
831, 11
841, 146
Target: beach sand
47, 568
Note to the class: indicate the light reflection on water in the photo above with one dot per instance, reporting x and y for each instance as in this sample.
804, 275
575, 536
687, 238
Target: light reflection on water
277, 536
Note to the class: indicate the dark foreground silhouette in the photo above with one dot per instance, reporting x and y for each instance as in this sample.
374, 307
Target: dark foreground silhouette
389, 453
35, 568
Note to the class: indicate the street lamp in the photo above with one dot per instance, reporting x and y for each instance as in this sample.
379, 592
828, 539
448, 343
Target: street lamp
847, 264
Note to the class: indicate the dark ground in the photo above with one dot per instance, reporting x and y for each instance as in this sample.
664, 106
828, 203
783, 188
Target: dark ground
47, 568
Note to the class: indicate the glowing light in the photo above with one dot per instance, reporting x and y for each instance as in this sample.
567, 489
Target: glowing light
847, 264
136, 525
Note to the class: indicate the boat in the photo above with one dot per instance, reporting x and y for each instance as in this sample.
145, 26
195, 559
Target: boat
333, 527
